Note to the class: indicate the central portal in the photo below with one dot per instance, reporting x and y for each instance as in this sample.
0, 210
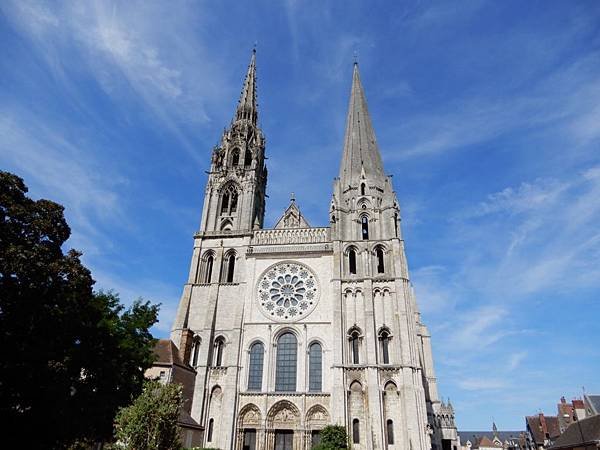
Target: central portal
284, 439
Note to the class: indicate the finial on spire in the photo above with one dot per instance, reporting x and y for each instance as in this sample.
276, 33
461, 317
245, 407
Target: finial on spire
292, 197
356, 57
254, 47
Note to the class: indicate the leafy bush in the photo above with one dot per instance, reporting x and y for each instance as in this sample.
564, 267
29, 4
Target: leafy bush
333, 437
150, 423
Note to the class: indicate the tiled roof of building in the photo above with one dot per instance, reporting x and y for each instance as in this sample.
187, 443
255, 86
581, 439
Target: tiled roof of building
585, 431
487, 442
516, 437
578, 404
167, 353
536, 426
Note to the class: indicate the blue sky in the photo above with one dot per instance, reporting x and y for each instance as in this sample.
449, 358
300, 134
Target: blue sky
486, 113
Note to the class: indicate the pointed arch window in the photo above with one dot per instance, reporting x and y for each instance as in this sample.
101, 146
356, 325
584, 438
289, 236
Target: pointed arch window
285, 371
234, 202
352, 261
225, 202
384, 344
396, 224
195, 351
362, 188
229, 200
364, 227
355, 347
390, 431
218, 352
211, 424
355, 431
207, 267
380, 260
257, 352
235, 157
315, 370
248, 158
230, 269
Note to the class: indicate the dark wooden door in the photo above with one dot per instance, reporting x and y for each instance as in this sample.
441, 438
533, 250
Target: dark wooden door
284, 440
250, 439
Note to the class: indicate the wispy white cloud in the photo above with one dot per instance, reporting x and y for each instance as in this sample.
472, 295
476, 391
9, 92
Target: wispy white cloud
174, 76
51, 163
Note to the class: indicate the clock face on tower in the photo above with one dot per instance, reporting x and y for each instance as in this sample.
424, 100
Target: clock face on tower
287, 292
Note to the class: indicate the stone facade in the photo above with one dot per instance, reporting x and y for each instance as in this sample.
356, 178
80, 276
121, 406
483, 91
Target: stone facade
293, 328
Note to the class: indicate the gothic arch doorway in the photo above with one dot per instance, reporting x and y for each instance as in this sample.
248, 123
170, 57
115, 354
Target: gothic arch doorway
249, 430
283, 426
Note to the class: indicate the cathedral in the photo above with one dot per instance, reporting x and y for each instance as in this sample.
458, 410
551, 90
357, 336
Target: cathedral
288, 329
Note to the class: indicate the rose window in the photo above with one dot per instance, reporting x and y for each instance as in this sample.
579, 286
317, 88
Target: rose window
287, 292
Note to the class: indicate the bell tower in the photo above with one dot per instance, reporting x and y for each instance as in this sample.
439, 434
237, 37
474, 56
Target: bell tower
364, 205
235, 192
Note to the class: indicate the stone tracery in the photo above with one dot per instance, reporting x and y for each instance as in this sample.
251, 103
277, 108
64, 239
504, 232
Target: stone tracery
288, 292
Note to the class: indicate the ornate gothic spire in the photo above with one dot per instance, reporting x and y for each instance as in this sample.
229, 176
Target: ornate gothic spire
247, 107
361, 154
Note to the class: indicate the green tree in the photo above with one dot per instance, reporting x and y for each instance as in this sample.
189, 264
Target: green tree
150, 423
70, 357
333, 437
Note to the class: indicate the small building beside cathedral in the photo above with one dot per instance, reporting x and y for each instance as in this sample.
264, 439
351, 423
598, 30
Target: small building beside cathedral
296, 327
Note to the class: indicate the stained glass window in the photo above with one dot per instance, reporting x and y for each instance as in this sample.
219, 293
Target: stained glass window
287, 349
256, 367
315, 367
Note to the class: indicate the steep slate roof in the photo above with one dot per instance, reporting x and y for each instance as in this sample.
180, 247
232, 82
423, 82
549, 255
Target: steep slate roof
186, 421
537, 431
594, 402
360, 146
167, 354
585, 431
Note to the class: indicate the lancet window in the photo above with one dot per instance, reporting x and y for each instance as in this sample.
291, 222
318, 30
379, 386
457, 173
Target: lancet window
218, 351
315, 371
364, 227
229, 200
352, 261
380, 260
285, 371
384, 346
257, 352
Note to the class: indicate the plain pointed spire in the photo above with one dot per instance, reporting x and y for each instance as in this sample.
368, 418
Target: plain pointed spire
361, 155
247, 107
